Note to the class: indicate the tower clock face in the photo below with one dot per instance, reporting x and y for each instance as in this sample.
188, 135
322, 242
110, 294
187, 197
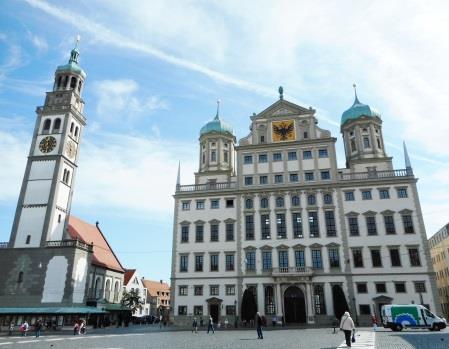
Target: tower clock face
70, 149
47, 144
283, 131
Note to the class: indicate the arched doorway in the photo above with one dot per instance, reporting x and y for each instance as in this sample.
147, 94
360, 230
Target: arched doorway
294, 305
340, 304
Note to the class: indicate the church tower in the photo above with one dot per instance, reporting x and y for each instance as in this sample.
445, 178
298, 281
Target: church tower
361, 127
45, 197
217, 152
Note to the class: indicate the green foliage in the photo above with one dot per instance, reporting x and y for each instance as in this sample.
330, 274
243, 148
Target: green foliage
132, 300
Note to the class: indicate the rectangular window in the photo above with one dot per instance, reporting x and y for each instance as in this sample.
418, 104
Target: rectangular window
280, 224
308, 176
214, 262
294, 177
200, 205
199, 233
317, 262
283, 259
229, 203
186, 206
408, 224
214, 232
366, 195
277, 156
185, 233
263, 179
381, 287
365, 309
263, 158
322, 153
183, 290
376, 258
215, 203
366, 142
358, 258
230, 290
292, 155
307, 154
325, 175
334, 258
389, 225
199, 262
349, 196
198, 290
230, 310
229, 262
214, 290
384, 194
265, 226
183, 263
400, 287
278, 178
402, 193
353, 226
395, 257
28, 238
229, 231
300, 260
362, 287
297, 225
198, 310
249, 227
371, 225
250, 261
414, 257
330, 223
266, 260
248, 180
182, 310
420, 287
248, 159
313, 224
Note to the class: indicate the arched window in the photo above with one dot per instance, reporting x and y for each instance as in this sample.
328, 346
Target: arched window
64, 176
353, 147
204, 158
20, 277
57, 125
213, 156
280, 202
295, 201
264, 203
378, 143
116, 290
73, 82
327, 199
67, 180
318, 296
97, 288
107, 290
47, 124
79, 86
270, 308
76, 131
72, 125
66, 80
248, 203
311, 200
59, 81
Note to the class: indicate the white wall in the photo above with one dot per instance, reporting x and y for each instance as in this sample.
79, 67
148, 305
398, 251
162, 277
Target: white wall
31, 223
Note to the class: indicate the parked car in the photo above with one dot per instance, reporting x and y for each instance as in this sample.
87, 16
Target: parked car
398, 316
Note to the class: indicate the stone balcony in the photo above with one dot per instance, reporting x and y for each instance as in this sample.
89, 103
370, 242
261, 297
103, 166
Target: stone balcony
374, 175
206, 187
69, 243
292, 271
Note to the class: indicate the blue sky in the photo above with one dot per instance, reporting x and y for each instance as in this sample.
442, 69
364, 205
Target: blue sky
155, 70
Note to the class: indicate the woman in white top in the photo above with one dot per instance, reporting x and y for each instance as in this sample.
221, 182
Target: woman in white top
347, 326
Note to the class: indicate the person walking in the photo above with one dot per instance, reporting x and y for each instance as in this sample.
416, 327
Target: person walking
38, 328
24, 328
76, 328
259, 326
347, 326
210, 326
201, 322
11, 329
195, 325
374, 322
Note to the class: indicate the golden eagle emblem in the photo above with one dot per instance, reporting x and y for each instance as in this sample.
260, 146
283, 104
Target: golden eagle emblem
283, 131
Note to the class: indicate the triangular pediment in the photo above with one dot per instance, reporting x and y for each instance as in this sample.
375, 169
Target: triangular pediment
282, 247
284, 108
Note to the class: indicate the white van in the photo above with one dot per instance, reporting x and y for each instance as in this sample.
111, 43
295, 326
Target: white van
398, 316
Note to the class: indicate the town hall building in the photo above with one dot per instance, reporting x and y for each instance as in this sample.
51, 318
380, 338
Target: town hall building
273, 217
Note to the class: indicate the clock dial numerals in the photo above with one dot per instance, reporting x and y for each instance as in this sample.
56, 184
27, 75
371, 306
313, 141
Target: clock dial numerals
283, 131
47, 144
70, 149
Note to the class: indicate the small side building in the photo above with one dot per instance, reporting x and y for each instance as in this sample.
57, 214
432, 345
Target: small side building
158, 295
133, 282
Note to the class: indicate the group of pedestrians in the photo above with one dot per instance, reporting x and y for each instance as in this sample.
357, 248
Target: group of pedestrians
79, 327
25, 327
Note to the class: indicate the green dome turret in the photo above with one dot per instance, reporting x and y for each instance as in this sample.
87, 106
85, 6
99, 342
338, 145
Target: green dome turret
217, 125
72, 66
357, 110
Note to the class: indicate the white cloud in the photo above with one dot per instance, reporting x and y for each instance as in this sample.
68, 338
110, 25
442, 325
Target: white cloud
39, 42
118, 97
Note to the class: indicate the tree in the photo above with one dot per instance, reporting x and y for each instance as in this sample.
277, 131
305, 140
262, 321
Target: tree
132, 300
249, 306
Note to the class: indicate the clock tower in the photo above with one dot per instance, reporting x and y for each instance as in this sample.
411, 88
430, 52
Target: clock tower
45, 197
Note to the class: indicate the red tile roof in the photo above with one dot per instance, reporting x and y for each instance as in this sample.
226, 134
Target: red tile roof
128, 275
103, 255
154, 286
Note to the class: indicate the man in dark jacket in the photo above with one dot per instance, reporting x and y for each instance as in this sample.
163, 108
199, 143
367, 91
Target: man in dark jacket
259, 326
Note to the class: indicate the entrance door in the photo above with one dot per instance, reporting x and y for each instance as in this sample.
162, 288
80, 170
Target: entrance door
213, 311
340, 304
294, 305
